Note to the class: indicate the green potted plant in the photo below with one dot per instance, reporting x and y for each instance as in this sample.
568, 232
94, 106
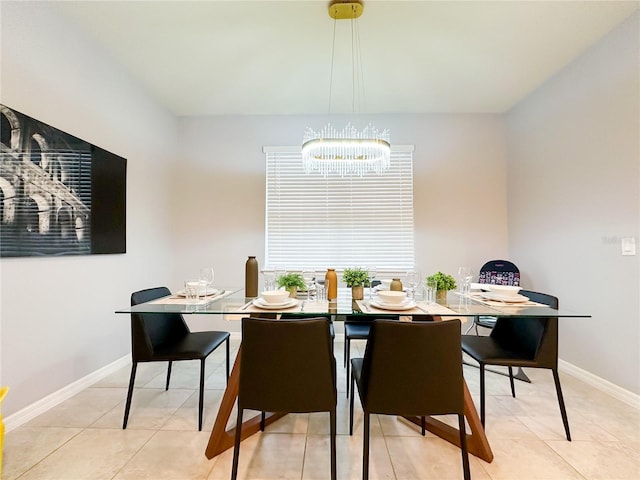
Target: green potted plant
356, 278
292, 282
443, 282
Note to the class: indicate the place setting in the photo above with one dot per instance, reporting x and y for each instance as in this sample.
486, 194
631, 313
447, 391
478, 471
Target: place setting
501, 295
390, 301
271, 300
196, 291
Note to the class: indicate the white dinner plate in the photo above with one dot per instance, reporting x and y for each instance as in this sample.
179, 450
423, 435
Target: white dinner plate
259, 302
210, 291
505, 298
393, 306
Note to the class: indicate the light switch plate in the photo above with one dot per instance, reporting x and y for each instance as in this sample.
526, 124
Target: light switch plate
628, 245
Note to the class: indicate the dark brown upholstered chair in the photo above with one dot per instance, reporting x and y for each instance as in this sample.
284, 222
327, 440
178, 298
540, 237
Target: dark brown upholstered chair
410, 369
287, 366
356, 327
354, 330
520, 342
298, 316
165, 337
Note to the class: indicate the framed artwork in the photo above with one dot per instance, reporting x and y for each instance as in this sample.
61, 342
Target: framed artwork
59, 195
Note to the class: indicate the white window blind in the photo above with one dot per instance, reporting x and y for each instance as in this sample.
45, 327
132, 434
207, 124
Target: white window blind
317, 222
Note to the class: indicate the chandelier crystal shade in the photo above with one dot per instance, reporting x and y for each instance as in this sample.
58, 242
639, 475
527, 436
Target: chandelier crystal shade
349, 151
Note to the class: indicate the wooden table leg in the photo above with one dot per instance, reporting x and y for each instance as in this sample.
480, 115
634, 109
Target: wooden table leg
477, 442
222, 439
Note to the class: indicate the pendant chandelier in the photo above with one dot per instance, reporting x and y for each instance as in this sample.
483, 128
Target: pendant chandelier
349, 151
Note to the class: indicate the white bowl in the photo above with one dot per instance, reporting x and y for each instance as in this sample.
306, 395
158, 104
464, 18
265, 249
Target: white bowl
392, 296
275, 296
505, 290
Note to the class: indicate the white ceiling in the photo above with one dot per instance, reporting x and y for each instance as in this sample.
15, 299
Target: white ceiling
274, 57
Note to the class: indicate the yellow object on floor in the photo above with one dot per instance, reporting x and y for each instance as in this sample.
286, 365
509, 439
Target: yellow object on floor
3, 393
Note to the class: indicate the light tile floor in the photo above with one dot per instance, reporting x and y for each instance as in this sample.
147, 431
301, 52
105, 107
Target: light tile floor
82, 438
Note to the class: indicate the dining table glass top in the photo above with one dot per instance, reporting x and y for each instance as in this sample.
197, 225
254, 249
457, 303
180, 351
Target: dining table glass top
232, 301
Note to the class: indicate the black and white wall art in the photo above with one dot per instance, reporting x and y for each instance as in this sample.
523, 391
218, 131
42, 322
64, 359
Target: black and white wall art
59, 195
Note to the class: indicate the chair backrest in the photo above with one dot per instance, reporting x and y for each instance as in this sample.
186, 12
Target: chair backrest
499, 272
413, 368
151, 330
535, 338
287, 365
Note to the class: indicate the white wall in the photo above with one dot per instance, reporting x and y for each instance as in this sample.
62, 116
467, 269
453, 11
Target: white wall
460, 192
56, 316
573, 189
196, 197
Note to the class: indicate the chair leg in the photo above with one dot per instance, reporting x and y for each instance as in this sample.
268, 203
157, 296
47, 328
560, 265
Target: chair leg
513, 387
365, 453
482, 394
236, 445
227, 360
463, 448
563, 410
201, 400
166, 387
263, 417
127, 407
345, 350
351, 400
347, 361
332, 433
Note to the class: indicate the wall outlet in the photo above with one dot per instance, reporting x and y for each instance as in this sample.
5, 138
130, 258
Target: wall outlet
628, 245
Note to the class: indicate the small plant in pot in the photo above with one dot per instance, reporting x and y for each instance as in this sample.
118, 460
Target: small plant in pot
292, 282
356, 278
443, 282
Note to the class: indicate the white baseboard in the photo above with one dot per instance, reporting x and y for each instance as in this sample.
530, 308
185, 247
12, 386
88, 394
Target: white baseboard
601, 384
28, 413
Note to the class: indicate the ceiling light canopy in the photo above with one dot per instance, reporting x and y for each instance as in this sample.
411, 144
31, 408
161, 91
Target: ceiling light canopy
349, 151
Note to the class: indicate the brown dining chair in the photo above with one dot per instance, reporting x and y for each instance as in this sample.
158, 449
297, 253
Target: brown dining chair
520, 342
410, 369
165, 337
287, 366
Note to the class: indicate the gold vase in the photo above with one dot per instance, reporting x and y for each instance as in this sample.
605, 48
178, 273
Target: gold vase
331, 284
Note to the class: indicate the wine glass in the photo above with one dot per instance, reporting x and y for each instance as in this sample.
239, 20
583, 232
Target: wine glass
320, 285
308, 276
465, 274
413, 281
279, 271
206, 279
371, 272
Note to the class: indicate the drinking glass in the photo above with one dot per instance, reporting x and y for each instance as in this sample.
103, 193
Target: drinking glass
269, 279
465, 274
192, 291
431, 291
321, 291
308, 276
206, 278
371, 272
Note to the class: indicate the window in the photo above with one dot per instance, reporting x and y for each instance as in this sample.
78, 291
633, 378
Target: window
317, 222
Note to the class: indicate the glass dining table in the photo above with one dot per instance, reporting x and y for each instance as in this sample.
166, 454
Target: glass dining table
232, 304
